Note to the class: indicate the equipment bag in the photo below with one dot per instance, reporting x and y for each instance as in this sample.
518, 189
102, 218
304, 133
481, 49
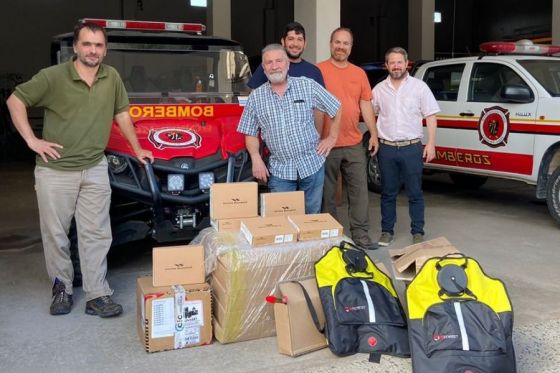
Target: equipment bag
362, 311
460, 320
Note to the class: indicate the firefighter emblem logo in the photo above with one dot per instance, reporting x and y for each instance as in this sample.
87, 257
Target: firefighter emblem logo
174, 138
493, 126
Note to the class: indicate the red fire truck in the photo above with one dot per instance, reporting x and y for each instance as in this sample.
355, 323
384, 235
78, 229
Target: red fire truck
186, 92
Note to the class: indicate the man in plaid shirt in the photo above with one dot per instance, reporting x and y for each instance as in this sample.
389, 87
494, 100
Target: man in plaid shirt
282, 110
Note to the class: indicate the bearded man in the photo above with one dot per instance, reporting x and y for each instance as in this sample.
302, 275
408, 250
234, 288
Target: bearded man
282, 110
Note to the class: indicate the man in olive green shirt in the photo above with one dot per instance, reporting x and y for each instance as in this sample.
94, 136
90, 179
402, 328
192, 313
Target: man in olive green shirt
81, 98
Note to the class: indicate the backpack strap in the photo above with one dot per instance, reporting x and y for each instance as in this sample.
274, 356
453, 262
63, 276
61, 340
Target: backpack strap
310, 307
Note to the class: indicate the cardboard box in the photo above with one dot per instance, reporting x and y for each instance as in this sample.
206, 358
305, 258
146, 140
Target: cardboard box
409, 260
226, 225
243, 277
267, 231
174, 265
282, 203
233, 200
316, 226
173, 317
296, 333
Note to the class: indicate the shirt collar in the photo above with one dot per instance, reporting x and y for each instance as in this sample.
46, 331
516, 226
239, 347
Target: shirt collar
101, 72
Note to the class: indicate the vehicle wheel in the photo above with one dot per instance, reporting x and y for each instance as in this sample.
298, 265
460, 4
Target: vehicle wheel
372, 169
373, 175
74, 256
553, 195
467, 181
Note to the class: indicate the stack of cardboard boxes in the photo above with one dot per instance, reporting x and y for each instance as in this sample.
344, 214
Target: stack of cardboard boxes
174, 304
245, 275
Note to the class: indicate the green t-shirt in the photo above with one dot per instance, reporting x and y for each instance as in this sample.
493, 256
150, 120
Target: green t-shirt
76, 116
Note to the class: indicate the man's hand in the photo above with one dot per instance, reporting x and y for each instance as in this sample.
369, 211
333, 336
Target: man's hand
260, 172
373, 146
325, 146
429, 152
44, 148
143, 154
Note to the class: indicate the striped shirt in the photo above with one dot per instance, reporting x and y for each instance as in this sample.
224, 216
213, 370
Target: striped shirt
287, 126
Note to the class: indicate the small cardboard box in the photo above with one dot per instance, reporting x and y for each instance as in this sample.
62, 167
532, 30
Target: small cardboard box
173, 265
233, 200
173, 317
409, 260
266, 231
296, 333
226, 225
316, 226
282, 203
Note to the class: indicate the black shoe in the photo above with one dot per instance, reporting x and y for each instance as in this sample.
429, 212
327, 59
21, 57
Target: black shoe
62, 301
103, 307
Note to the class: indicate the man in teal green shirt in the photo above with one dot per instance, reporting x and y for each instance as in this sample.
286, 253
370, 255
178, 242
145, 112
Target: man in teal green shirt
80, 98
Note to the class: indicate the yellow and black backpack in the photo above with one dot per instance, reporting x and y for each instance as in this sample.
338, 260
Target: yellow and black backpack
362, 310
460, 319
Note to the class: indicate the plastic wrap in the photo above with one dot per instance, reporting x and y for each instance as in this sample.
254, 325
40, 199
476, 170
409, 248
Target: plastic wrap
243, 276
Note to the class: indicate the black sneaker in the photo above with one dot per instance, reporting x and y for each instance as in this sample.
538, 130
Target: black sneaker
62, 301
103, 307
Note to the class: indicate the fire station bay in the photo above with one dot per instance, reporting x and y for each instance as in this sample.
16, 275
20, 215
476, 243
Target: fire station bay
139, 233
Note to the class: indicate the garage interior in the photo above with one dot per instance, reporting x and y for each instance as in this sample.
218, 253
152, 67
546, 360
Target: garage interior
516, 242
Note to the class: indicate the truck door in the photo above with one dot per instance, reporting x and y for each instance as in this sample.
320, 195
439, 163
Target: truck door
445, 82
495, 139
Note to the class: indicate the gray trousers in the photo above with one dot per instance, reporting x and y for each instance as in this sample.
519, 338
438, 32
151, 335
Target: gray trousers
350, 161
85, 195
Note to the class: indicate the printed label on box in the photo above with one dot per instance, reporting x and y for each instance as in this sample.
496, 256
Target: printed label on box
191, 336
288, 238
325, 233
163, 318
279, 238
194, 313
334, 232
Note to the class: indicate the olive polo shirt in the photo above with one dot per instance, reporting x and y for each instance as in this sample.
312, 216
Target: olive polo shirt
77, 116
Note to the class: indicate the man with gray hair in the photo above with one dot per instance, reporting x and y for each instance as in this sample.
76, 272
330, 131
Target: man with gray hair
282, 111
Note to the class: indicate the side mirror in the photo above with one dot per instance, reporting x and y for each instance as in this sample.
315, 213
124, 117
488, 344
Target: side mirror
519, 94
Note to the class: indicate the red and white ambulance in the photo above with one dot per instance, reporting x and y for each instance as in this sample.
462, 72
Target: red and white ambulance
185, 91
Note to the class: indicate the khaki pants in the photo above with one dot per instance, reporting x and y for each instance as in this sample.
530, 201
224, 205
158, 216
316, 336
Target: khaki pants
350, 161
85, 195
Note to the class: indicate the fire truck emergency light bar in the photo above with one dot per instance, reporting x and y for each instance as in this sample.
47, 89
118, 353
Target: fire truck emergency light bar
146, 25
520, 47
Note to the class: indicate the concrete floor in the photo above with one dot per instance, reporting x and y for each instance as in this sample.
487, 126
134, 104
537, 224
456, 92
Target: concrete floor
501, 225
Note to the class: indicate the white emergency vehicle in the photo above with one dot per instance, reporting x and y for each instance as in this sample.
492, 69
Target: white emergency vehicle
500, 117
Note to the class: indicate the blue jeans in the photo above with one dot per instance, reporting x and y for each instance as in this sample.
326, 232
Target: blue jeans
398, 165
312, 187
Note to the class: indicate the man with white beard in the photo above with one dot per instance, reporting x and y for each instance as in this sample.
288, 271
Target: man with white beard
282, 110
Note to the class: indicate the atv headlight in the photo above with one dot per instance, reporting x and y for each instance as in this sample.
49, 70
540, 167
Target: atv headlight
116, 163
175, 182
205, 180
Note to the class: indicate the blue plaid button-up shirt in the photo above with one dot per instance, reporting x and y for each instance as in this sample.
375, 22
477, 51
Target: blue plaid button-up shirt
287, 126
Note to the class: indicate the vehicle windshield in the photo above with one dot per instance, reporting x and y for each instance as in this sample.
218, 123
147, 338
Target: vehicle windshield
546, 72
178, 74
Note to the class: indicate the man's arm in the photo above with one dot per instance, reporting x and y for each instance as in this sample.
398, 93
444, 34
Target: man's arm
18, 112
127, 128
325, 146
260, 172
369, 118
319, 118
430, 148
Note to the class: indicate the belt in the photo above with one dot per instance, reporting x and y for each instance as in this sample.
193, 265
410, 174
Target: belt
399, 143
